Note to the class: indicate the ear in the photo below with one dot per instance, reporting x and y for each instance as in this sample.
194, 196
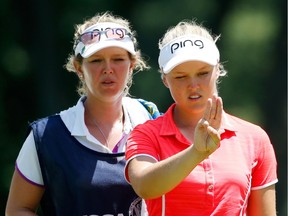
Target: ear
132, 66
78, 68
164, 80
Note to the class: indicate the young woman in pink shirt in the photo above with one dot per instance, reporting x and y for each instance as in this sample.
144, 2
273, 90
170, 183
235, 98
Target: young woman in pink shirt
196, 159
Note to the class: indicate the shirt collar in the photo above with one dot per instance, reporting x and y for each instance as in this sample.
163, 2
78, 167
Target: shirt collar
226, 123
79, 128
169, 127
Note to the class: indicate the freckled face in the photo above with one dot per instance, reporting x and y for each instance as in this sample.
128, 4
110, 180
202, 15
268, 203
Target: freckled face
191, 84
106, 73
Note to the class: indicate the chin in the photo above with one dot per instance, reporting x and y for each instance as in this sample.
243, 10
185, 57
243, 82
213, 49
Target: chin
199, 108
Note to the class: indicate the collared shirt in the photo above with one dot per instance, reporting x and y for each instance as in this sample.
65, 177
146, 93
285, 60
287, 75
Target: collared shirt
27, 161
219, 185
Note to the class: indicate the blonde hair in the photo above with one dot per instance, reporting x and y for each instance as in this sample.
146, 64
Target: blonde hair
139, 63
189, 27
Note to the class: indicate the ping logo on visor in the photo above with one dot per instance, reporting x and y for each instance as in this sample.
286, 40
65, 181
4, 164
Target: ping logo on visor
110, 33
103, 35
185, 43
188, 48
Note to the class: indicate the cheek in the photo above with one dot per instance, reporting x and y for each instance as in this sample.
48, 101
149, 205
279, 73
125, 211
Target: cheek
122, 67
90, 69
123, 72
176, 90
126, 66
209, 81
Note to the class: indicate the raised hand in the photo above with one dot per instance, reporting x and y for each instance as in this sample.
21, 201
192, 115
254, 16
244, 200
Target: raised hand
206, 135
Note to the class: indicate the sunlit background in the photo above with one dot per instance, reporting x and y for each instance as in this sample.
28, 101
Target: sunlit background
36, 39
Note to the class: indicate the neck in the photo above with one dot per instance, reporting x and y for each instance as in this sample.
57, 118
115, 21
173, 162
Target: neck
186, 122
108, 112
104, 122
185, 119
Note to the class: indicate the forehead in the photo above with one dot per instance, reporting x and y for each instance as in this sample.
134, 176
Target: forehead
192, 66
111, 51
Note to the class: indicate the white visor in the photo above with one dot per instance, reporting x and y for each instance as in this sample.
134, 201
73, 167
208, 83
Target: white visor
104, 42
188, 48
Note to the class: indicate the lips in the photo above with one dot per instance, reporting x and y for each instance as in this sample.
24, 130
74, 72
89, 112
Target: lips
195, 97
107, 82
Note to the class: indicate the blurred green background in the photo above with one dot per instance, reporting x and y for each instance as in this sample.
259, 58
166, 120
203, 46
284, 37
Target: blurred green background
36, 38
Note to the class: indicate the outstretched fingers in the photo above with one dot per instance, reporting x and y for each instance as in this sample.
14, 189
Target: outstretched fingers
213, 112
207, 136
218, 113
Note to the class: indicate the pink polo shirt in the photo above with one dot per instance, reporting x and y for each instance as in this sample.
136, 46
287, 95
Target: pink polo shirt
219, 185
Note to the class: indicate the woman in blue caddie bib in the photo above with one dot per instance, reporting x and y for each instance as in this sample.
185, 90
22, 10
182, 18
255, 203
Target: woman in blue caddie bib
72, 163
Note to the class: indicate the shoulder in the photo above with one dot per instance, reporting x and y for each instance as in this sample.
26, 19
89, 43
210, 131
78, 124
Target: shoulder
245, 127
139, 110
65, 115
151, 108
137, 102
240, 123
152, 126
39, 125
133, 106
164, 121
68, 117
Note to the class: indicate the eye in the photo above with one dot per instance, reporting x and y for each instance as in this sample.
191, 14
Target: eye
180, 77
119, 59
95, 60
203, 73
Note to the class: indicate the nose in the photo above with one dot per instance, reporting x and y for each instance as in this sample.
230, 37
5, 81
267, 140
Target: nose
193, 83
107, 68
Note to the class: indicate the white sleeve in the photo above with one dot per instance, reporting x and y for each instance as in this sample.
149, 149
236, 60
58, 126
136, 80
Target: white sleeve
27, 161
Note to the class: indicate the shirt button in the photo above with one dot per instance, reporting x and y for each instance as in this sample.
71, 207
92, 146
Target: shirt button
210, 187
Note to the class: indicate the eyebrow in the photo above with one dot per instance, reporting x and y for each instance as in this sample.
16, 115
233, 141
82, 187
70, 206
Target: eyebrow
204, 68
112, 55
210, 67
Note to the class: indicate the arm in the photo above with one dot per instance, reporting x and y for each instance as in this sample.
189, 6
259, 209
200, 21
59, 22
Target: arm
24, 197
262, 202
152, 179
